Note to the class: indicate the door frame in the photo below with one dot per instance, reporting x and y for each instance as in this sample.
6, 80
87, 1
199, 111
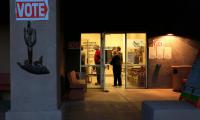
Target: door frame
102, 64
146, 57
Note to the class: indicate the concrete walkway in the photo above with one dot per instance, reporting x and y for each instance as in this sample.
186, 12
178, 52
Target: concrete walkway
117, 104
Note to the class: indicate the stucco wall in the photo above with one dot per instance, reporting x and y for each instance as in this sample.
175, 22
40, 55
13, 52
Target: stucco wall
159, 70
4, 49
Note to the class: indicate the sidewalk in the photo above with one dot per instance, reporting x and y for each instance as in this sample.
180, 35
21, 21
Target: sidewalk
117, 104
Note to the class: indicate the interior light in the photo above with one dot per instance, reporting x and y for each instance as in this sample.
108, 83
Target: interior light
170, 34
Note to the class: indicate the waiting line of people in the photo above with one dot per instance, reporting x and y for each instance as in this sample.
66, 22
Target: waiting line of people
116, 62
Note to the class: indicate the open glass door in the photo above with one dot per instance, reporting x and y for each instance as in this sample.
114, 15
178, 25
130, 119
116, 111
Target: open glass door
88, 66
112, 41
136, 60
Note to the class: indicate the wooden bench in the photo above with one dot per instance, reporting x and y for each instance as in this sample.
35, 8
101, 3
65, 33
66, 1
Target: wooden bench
169, 110
77, 85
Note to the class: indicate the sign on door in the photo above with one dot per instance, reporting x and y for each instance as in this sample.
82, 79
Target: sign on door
32, 9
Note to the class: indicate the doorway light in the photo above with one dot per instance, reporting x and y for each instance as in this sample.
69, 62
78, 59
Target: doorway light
170, 34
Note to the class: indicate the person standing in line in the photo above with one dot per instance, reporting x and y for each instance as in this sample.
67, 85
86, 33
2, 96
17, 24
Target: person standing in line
119, 69
97, 63
116, 63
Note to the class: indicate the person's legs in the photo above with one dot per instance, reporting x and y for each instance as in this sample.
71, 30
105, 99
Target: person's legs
115, 76
119, 79
98, 74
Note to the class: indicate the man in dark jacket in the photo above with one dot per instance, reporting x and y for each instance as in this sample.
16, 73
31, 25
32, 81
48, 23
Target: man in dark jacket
117, 67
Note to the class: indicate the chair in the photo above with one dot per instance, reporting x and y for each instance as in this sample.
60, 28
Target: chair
77, 85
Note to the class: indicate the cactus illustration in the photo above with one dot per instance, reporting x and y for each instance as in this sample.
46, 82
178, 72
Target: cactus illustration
29, 65
30, 40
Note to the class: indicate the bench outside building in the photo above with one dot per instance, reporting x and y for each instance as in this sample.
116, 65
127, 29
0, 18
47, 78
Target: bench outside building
169, 110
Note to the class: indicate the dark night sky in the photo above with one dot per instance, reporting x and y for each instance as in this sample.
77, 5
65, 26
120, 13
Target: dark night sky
4, 12
180, 17
164, 16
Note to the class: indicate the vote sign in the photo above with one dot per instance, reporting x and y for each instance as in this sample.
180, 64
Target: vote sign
32, 9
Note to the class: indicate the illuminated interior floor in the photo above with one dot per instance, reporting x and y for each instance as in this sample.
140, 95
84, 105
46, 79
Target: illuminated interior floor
109, 82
